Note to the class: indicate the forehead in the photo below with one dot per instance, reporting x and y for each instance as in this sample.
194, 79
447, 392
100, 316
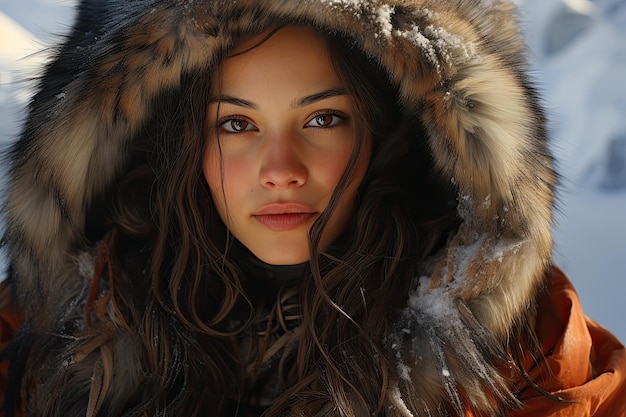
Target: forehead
291, 36
292, 56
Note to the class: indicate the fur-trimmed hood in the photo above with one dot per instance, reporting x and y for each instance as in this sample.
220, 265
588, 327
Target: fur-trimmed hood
460, 64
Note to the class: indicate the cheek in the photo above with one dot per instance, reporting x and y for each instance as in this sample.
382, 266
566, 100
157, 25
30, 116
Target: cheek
211, 169
331, 165
227, 178
346, 206
213, 174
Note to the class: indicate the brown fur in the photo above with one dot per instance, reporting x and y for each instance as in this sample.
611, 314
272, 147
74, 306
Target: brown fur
460, 64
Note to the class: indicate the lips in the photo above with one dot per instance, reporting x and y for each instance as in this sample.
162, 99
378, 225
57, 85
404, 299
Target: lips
284, 216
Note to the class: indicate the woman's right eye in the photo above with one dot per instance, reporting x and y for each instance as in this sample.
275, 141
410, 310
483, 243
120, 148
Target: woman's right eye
236, 125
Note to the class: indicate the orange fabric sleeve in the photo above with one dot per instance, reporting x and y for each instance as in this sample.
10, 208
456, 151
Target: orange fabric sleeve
585, 364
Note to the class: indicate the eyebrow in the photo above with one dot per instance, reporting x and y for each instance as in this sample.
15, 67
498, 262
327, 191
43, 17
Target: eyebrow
306, 100
232, 100
320, 96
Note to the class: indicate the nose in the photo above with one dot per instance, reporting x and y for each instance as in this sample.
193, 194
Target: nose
282, 166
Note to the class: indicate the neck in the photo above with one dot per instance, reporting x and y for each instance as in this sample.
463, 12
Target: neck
276, 276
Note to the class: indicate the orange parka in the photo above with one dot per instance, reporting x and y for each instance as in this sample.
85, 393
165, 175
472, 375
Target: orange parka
585, 364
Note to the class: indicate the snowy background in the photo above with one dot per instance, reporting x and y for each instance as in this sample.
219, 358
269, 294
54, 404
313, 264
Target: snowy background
578, 50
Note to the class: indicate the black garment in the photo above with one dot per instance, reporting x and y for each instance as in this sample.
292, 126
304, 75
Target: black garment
268, 343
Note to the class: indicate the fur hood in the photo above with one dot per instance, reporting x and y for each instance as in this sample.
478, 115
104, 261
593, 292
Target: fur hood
459, 64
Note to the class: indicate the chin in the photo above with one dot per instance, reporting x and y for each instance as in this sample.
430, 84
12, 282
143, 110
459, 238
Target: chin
282, 257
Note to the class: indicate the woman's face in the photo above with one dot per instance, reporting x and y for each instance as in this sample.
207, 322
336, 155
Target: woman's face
281, 132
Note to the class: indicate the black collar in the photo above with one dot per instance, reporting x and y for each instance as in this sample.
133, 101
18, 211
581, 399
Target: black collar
258, 272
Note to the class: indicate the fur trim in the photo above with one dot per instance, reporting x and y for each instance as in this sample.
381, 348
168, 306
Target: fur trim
459, 63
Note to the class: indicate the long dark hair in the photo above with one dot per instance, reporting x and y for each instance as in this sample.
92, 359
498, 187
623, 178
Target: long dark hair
184, 292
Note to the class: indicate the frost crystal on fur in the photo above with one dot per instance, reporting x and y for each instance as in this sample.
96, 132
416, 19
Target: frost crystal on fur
438, 340
86, 263
384, 19
436, 42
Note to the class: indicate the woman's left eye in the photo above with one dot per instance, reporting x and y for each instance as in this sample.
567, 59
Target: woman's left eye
324, 120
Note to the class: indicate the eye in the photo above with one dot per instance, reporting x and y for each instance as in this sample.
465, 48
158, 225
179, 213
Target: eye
325, 120
236, 125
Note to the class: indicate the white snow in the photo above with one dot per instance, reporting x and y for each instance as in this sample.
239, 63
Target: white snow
384, 19
396, 399
582, 84
578, 48
19, 60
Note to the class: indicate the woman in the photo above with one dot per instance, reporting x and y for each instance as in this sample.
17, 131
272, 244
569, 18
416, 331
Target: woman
292, 208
